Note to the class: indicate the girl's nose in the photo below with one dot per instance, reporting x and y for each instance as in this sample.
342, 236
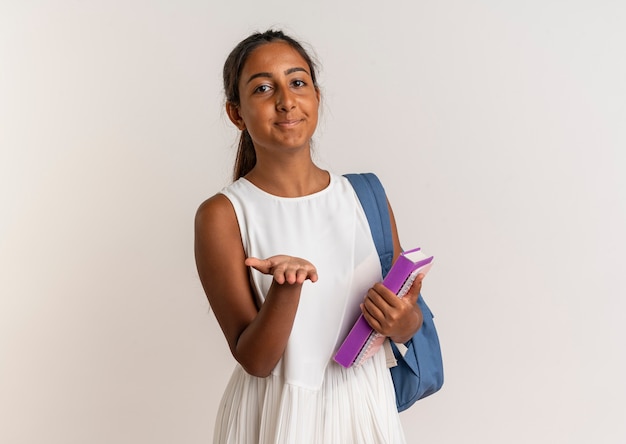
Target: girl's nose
284, 100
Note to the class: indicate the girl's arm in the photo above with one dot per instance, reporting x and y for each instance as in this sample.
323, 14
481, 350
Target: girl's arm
257, 337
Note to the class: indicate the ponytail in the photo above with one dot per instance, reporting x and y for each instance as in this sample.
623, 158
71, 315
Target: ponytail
246, 156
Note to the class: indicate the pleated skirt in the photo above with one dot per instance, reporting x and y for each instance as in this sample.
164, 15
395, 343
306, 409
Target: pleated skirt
354, 405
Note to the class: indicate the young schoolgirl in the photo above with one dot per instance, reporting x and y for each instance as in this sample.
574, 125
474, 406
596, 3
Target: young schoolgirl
287, 261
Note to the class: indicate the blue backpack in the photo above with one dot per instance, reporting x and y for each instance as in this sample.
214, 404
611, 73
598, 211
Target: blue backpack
419, 372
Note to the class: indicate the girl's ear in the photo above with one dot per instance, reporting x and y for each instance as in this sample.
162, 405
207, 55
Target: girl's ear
233, 114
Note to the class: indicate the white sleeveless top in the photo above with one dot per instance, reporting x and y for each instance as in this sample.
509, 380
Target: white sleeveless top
309, 398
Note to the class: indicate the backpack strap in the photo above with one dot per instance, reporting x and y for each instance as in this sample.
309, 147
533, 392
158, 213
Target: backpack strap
373, 199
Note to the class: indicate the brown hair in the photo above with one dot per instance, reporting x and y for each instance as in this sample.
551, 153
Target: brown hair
246, 156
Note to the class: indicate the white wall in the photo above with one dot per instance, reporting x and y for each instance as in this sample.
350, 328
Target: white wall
504, 120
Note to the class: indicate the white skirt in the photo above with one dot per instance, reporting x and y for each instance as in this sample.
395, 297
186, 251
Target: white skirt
355, 405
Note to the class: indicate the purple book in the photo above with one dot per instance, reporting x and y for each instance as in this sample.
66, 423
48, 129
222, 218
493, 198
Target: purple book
362, 341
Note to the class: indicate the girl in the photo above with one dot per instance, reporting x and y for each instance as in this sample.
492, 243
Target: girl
285, 256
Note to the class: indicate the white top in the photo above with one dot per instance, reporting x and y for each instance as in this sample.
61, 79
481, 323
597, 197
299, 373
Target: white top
329, 229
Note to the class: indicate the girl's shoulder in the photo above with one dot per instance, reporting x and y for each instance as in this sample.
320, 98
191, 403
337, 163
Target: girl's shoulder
215, 211
220, 204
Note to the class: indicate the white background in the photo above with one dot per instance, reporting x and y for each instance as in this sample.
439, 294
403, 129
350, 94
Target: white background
496, 126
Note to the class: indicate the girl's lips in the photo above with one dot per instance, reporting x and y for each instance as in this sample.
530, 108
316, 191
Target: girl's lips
288, 123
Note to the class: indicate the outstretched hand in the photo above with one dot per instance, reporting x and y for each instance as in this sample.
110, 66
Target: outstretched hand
284, 269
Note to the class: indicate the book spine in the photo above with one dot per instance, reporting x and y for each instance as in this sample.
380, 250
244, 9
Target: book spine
354, 342
399, 273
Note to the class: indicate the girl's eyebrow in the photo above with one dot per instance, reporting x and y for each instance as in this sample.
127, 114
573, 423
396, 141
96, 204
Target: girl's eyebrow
259, 74
297, 69
269, 74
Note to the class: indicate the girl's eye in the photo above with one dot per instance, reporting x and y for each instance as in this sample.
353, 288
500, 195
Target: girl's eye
262, 89
298, 83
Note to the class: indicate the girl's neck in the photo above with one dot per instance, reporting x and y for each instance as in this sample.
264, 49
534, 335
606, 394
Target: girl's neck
288, 178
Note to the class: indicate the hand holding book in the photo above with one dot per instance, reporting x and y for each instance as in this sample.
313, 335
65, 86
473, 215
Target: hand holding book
363, 341
394, 317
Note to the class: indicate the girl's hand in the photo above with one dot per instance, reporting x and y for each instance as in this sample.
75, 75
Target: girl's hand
285, 269
398, 318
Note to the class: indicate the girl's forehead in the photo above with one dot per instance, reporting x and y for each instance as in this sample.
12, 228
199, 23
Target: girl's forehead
274, 55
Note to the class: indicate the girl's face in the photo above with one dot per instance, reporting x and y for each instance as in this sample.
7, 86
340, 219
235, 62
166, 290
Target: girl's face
278, 101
